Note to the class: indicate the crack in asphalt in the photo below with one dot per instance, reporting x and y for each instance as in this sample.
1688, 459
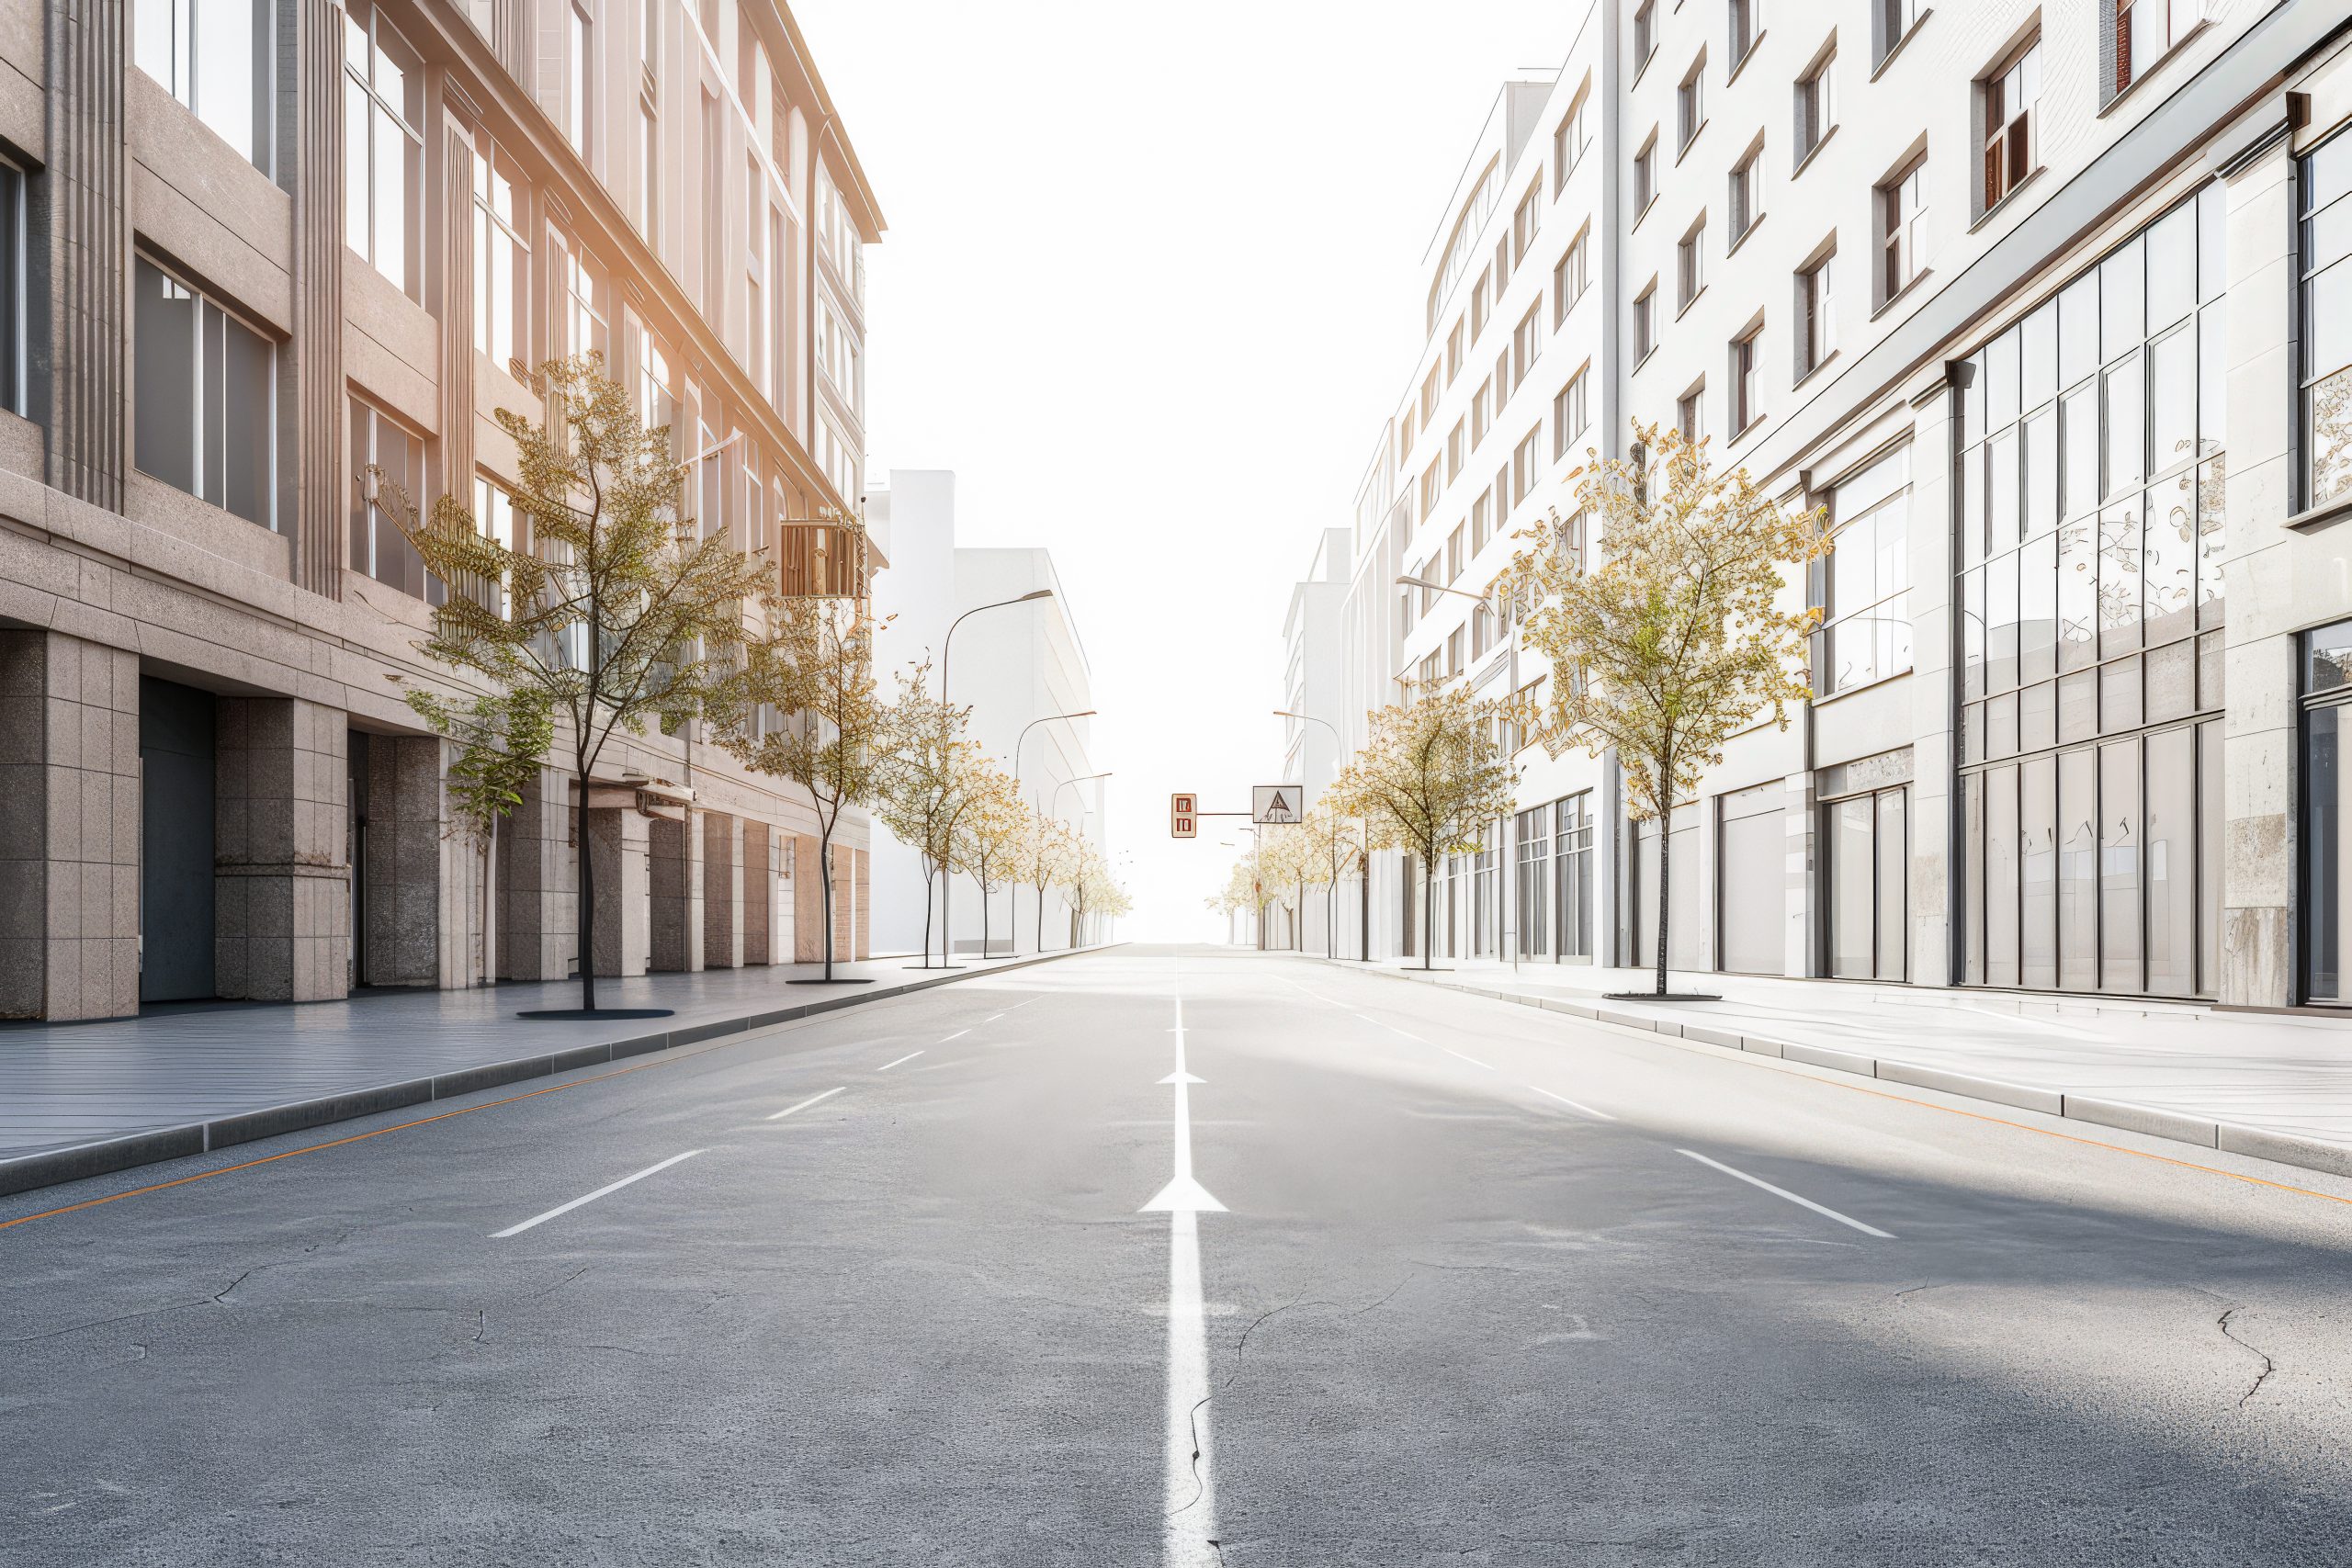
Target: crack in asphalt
2269, 1366
1200, 1488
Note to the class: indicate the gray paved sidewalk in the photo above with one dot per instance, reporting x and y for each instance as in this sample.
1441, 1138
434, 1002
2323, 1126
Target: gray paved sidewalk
63, 1085
2198, 1071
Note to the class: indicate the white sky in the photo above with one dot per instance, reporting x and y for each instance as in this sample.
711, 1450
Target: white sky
1151, 282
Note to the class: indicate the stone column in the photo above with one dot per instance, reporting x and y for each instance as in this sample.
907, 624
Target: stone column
618, 841
69, 827
282, 885
312, 425
808, 902
1800, 954
844, 902
408, 829
1935, 755
675, 849
722, 885
538, 932
863, 925
81, 343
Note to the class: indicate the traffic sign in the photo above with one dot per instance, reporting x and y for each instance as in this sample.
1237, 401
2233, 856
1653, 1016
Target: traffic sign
1183, 820
1278, 804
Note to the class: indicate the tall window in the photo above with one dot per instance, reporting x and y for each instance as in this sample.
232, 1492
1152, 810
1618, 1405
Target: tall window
1816, 110
1866, 634
1816, 316
1570, 276
494, 516
1865, 882
1645, 33
2326, 263
384, 459
1747, 192
383, 148
1524, 222
1645, 323
1479, 413
1690, 413
580, 324
1453, 452
2144, 32
1896, 19
714, 187
1570, 416
2010, 96
1645, 176
1746, 22
1572, 833
220, 58
1690, 104
1526, 339
648, 173
1747, 379
1691, 262
2327, 814
1523, 464
14, 266
1453, 352
1573, 136
656, 406
754, 274
579, 97
501, 263
205, 396
1902, 225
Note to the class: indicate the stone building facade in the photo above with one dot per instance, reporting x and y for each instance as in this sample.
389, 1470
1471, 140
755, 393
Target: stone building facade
253, 246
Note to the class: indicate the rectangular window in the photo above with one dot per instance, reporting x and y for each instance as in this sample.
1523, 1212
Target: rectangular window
1526, 340
2009, 96
1902, 225
2325, 260
1478, 413
1816, 109
1453, 353
1569, 142
1525, 222
220, 58
1453, 452
1645, 33
1645, 323
1746, 23
580, 96
1569, 415
714, 248
1645, 176
1569, 279
502, 262
648, 173
1691, 105
1691, 262
1690, 413
1748, 193
1866, 634
1746, 381
1817, 317
205, 405
1896, 20
14, 261
383, 148
2143, 33
580, 323
386, 482
1572, 833
1524, 465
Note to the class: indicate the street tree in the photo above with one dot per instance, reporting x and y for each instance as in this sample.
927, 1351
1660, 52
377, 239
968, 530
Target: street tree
1049, 856
609, 610
1434, 772
1335, 841
926, 784
502, 743
989, 833
1690, 628
805, 707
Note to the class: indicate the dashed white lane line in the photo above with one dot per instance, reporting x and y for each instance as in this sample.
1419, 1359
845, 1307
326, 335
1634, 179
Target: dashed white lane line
1472, 1060
601, 1192
1784, 1192
806, 1103
908, 1057
957, 1035
1577, 1105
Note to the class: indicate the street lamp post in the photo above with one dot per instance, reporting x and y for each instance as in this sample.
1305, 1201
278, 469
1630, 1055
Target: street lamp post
947, 868
1018, 742
1503, 846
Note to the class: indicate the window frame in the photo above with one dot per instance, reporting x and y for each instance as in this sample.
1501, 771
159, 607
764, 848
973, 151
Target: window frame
2004, 134
372, 30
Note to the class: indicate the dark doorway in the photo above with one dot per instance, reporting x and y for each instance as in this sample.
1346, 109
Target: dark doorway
355, 854
175, 763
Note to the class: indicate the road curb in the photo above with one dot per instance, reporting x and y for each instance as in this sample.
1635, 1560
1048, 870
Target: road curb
2098, 1111
104, 1157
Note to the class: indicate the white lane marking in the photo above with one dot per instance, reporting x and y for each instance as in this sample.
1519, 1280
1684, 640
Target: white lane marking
957, 1035
806, 1103
1472, 1060
1784, 1192
601, 1192
992, 1018
1188, 1480
1573, 1104
908, 1057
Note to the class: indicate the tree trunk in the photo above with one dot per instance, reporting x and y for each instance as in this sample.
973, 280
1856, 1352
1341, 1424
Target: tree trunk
587, 896
926, 918
825, 895
1665, 883
1041, 919
984, 915
1428, 921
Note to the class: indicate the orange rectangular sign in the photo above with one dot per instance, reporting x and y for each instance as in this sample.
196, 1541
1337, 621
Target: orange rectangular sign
1183, 819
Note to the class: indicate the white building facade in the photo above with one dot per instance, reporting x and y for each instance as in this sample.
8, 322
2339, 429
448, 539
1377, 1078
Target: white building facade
2045, 305
1019, 668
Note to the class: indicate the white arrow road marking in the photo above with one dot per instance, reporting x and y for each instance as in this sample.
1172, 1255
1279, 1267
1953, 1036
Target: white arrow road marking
1784, 1192
806, 1103
601, 1192
1187, 1539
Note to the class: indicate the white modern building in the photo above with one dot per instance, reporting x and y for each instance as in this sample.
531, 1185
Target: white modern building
1018, 665
2045, 306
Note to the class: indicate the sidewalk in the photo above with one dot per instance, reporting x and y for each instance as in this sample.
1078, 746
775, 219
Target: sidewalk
2277, 1087
84, 1099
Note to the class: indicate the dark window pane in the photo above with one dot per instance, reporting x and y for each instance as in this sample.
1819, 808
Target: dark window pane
164, 404
2327, 663
250, 478
211, 428
2323, 853
2209, 858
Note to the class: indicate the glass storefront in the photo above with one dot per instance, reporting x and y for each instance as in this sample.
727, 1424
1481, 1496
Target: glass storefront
2091, 503
1866, 850
1572, 824
1532, 878
2326, 690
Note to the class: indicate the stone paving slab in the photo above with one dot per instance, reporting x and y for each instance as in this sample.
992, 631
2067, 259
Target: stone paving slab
2279, 1085
81, 1100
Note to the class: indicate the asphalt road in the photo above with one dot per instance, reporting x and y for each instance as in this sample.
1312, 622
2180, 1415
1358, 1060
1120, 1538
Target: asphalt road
1451, 1281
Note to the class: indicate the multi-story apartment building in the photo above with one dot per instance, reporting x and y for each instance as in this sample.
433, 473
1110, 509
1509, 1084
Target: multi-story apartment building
2040, 303
252, 251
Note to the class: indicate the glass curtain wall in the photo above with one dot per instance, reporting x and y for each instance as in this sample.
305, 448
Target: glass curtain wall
1866, 851
1532, 885
2092, 503
1572, 824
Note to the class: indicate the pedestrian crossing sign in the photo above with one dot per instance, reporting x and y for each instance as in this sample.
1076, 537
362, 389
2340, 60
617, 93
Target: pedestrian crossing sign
1278, 805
